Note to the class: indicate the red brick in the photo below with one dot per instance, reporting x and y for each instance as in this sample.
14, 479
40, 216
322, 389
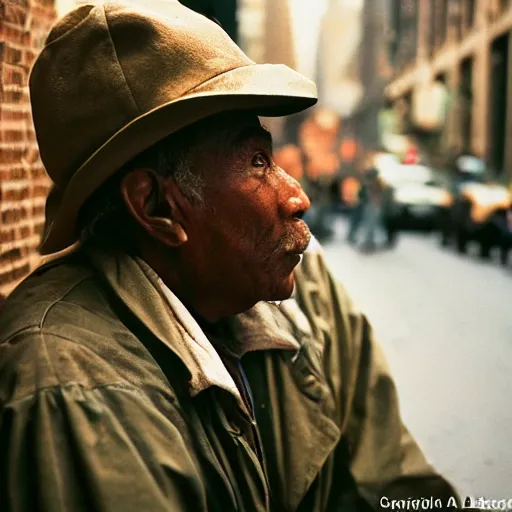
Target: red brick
39, 229
12, 75
38, 173
14, 34
14, 274
15, 194
14, 113
11, 95
10, 155
7, 235
14, 13
10, 256
27, 58
14, 214
14, 172
21, 272
10, 54
19, 3
6, 278
25, 231
13, 134
38, 211
24, 25
40, 191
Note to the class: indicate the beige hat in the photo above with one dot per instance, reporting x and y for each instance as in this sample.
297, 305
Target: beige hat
112, 80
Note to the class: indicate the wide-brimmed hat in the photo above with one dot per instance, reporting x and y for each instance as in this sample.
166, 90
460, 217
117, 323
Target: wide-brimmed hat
112, 80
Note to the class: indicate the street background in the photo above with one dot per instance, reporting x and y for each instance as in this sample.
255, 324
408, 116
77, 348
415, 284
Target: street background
445, 324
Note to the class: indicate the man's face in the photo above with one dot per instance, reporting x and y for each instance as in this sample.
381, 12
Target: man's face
245, 242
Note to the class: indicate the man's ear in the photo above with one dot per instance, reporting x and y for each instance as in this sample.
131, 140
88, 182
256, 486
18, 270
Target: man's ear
143, 192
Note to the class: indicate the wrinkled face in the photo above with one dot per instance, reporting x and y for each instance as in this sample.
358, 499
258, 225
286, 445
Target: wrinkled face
245, 242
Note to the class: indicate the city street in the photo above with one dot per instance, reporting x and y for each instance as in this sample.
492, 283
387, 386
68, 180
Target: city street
445, 323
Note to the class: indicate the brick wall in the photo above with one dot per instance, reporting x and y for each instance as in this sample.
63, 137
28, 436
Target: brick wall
24, 25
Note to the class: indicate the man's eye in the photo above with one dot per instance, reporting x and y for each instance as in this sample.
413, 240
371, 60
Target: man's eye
260, 160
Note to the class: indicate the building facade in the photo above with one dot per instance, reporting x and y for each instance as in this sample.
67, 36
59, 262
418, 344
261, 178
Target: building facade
266, 36
465, 45
23, 180
373, 72
251, 26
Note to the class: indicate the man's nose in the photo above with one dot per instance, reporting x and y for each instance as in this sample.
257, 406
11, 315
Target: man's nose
293, 200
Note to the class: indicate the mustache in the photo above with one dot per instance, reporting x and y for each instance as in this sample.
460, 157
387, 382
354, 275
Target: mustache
295, 241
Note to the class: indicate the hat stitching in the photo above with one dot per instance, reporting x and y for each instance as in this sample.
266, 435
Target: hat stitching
49, 42
118, 63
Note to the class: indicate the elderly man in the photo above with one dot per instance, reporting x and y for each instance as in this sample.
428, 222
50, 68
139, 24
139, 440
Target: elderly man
150, 369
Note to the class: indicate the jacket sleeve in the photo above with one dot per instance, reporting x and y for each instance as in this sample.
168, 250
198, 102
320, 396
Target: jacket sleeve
70, 448
385, 460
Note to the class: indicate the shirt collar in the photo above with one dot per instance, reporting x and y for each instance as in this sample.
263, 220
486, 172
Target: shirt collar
263, 327
253, 327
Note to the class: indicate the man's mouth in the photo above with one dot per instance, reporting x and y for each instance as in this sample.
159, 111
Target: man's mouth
300, 240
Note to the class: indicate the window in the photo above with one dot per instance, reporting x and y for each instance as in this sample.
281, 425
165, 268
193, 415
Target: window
505, 5
432, 28
470, 13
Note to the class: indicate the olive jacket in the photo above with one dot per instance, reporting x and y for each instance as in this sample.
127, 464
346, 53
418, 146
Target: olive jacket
111, 399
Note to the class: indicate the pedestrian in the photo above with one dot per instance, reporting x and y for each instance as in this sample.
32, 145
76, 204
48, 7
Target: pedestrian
372, 215
356, 214
149, 369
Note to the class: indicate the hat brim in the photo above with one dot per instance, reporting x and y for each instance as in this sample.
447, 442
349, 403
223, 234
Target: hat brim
270, 90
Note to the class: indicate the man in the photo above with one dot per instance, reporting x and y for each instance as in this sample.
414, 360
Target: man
150, 369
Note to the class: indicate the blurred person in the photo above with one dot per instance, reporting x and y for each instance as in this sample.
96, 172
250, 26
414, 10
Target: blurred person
289, 157
317, 136
321, 174
373, 208
367, 214
356, 213
149, 369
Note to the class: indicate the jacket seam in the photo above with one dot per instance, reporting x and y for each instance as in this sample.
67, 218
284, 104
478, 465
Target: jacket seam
28, 329
112, 385
48, 358
119, 63
64, 294
87, 310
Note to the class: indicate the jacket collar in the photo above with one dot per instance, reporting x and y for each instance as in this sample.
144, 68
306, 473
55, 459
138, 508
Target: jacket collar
156, 306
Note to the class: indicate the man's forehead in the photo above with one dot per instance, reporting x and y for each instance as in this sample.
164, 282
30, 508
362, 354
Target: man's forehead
248, 132
233, 130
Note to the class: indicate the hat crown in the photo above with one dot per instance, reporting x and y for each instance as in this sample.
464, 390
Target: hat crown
103, 66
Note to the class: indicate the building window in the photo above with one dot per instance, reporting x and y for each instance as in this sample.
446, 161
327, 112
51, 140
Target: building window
440, 14
456, 18
443, 29
432, 27
395, 30
404, 27
470, 13
466, 103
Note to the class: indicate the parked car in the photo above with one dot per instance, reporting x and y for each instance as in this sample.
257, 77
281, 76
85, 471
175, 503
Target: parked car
417, 196
504, 222
479, 214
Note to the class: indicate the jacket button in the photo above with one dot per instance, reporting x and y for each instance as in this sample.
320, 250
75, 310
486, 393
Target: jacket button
309, 380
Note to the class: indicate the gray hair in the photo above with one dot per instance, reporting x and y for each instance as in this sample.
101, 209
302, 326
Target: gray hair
104, 218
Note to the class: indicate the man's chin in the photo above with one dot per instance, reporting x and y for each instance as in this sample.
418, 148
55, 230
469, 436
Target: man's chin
284, 290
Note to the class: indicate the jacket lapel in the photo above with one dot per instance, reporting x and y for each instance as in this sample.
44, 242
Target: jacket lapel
138, 286
294, 408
